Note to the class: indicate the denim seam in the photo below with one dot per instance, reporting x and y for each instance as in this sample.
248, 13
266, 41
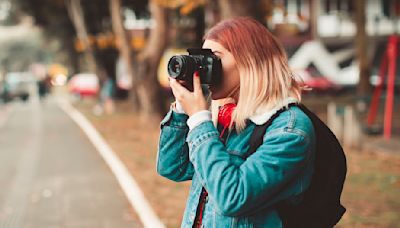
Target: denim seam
234, 222
178, 125
273, 133
182, 155
198, 127
298, 132
235, 152
290, 131
202, 137
292, 119
196, 145
172, 122
216, 206
158, 153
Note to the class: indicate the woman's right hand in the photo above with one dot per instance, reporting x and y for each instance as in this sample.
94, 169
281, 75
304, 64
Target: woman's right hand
186, 84
177, 107
191, 101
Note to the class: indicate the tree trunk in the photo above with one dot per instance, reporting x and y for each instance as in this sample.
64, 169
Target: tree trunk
212, 14
73, 55
364, 87
124, 48
234, 8
315, 6
150, 93
76, 15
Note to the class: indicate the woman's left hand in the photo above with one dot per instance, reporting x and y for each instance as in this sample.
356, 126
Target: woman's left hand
191, 102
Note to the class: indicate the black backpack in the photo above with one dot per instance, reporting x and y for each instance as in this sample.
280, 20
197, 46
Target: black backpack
320, 206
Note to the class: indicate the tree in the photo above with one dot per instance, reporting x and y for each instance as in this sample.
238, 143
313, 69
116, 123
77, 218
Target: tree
20, 51
68, 20
146, 91
149, 89
76, 15
234, 8
52, 16
124, 47
361, 43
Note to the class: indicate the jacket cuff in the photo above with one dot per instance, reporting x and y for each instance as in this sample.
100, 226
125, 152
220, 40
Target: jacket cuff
198, 118
175, 119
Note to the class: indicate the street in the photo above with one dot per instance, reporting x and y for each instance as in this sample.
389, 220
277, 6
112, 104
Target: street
52, 176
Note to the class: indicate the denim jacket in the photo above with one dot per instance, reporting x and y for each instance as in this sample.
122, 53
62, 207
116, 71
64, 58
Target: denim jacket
241, 192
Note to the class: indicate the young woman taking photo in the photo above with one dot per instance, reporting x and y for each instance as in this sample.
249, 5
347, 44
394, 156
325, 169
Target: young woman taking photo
229, 189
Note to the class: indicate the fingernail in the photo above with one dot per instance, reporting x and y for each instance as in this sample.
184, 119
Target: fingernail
196, 74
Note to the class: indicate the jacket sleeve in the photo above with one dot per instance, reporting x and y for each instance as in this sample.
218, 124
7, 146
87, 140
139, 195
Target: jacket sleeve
173, 153
258, 182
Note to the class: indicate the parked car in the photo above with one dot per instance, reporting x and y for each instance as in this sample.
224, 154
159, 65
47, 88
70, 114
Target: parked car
17, 85
84, 84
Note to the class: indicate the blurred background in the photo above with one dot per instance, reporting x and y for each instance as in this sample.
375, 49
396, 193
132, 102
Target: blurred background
108, 58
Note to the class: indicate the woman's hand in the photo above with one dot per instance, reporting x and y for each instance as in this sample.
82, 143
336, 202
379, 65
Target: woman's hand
191, 102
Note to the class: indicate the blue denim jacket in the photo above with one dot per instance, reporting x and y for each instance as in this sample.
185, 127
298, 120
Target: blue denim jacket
241, 193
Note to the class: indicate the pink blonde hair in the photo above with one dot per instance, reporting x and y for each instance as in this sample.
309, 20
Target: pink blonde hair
265, 76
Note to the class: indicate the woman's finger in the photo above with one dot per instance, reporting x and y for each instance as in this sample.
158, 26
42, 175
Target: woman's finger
197, 84
178, 89
174, 91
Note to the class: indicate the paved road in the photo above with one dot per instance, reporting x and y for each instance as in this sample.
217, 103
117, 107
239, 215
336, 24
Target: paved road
51, 176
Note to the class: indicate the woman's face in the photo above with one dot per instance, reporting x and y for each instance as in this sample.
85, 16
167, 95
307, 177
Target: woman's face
230, 75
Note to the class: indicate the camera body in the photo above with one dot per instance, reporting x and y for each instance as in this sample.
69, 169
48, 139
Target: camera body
182, 67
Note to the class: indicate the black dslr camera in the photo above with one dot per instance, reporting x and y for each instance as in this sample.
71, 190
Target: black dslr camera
182, 67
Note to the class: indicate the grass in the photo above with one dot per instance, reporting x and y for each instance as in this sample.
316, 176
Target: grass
372, 190
371, 193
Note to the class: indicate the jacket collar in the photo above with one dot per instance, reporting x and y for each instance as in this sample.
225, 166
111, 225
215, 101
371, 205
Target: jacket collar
262, 117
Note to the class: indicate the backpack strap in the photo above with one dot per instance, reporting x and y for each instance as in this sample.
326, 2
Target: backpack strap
257, 135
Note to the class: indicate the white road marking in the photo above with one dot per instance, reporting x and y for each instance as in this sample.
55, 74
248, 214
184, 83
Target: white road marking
126, 181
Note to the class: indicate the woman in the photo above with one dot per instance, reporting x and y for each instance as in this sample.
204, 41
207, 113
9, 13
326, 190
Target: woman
227, 189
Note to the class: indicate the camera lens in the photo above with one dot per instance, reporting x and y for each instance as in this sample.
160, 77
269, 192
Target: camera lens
175, 66
181, 67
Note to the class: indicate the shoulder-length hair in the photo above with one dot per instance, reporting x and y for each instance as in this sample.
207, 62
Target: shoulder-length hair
265, 77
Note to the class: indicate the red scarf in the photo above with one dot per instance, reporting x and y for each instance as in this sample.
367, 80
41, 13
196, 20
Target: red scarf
225, 115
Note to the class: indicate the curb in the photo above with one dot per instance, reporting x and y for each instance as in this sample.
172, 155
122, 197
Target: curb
128, 184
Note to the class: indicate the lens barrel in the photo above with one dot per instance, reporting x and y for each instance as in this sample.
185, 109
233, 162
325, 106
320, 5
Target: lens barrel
181, 67
208, 65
